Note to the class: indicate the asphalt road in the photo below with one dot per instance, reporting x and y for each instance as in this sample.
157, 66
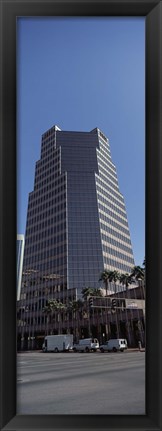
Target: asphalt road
81, 383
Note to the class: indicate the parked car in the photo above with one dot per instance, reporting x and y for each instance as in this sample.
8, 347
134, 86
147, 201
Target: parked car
114, 345
86, 345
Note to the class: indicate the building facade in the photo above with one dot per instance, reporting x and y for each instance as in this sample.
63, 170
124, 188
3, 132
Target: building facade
20, 255
76, 223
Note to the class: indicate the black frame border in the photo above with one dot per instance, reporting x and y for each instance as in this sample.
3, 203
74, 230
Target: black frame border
152, 11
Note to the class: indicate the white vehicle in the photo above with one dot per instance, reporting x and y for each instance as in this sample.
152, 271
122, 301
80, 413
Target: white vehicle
114, 345
86, 345
58, 343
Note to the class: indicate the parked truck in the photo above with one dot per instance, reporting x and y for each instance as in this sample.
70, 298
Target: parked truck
114, 345
86, 345
58, 343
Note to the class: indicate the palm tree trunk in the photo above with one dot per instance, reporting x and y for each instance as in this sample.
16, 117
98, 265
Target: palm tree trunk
106, 286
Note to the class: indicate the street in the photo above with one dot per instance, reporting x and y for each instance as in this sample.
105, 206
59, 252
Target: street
81, 383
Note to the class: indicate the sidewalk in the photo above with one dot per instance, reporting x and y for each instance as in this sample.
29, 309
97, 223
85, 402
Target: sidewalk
135, 349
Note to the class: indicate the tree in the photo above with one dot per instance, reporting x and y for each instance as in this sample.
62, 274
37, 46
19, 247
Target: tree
97, 292
89, 291
105, 278
138, 273
125, 279
54, 306
48, 310
86, 292
114, 277
75, 307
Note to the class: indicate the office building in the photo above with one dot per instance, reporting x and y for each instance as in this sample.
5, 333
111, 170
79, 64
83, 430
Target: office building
76, 221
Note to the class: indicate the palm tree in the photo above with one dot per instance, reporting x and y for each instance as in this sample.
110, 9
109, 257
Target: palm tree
97, 292
138, 273
114, 276
125, 279
76, 307
86, 292
105, 278
54, 306
89, 291
60, 307
48, 310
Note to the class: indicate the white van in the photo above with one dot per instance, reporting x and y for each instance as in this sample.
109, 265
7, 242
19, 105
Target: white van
58, 343
114, 345
86, 345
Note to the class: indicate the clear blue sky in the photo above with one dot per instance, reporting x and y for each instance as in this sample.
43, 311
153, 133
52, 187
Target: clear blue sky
81, 73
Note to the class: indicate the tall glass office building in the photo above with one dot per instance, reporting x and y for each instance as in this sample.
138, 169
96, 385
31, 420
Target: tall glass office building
76, 220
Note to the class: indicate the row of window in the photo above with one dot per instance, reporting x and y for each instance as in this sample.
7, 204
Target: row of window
46, 163
45, 152
41, 292
53, 264
40, 184
117, 265
105, 148
89, 260
88, 274
36, 200
104, 189
43, 320
49, 134
40, 173
56, 208
103, 137
44, 244
46, 140
44, 178
107, 186
116, 244
47, 234
104, 151
114, 224
108, 204
103, 144
105, 164
109, 230
45, 268
47, 221
111, 214
46, 254
41, 226
50, 150
108, 180
36, 206
50, 186
45, 175
118, 255
113, 182
104, 157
